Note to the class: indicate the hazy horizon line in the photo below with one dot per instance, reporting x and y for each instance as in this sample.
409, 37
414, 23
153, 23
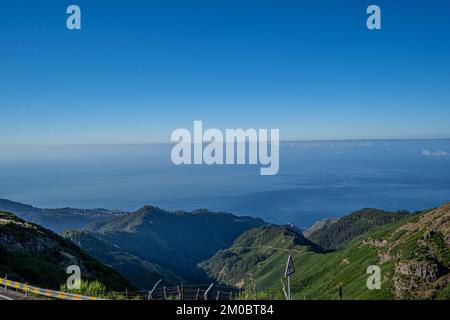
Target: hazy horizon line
171, 143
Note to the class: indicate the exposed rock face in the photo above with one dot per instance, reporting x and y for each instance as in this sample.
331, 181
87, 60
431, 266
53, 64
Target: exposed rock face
319, 225
384, 257
375, 243
418, 279
423, 269
420, 250
437, 220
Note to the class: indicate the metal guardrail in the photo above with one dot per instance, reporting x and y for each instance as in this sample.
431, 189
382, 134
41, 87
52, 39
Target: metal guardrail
44, 292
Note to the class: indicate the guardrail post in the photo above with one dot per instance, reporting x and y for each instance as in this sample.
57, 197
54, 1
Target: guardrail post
179, 293
196, 296
182, 290
150, 293
207, 291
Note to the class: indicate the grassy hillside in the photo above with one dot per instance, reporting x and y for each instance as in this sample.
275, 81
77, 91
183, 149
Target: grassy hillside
32, 254
254, 247
175, 241
339, 233
413, 254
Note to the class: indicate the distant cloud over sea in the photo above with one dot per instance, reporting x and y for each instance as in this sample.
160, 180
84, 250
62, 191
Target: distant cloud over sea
437, 153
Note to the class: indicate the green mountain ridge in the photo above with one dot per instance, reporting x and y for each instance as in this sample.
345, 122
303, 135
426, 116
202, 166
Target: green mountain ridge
413, 254
340, 232
319, 225
175, 241
141, 273
60, 219
412, 251
32, 254
252, 248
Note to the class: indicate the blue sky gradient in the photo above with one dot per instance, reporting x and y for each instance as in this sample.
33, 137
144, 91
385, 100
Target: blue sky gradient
139, 69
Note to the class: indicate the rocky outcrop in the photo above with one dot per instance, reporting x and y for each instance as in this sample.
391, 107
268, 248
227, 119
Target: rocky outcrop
417, 279
319, 225
424, 269
375, 243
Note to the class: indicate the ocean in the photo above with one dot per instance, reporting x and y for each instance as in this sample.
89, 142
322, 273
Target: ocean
316, 179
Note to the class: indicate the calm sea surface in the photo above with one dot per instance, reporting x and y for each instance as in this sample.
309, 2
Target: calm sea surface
316, 179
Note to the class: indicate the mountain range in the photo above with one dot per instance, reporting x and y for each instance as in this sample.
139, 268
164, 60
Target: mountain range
412, 251
61, 219
162, 244
136, 249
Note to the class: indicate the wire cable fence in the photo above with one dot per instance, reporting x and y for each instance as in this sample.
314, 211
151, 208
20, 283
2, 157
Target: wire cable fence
181, 292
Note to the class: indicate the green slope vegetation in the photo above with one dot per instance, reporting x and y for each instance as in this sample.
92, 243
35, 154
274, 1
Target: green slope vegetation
413, 254
340, 233
256, 247
142, 273
34, 255
175, 241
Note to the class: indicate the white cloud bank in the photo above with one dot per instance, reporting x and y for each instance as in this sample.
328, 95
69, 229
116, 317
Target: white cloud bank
437, 153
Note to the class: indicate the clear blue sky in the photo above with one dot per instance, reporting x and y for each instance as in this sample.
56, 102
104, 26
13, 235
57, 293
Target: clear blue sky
139, 69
